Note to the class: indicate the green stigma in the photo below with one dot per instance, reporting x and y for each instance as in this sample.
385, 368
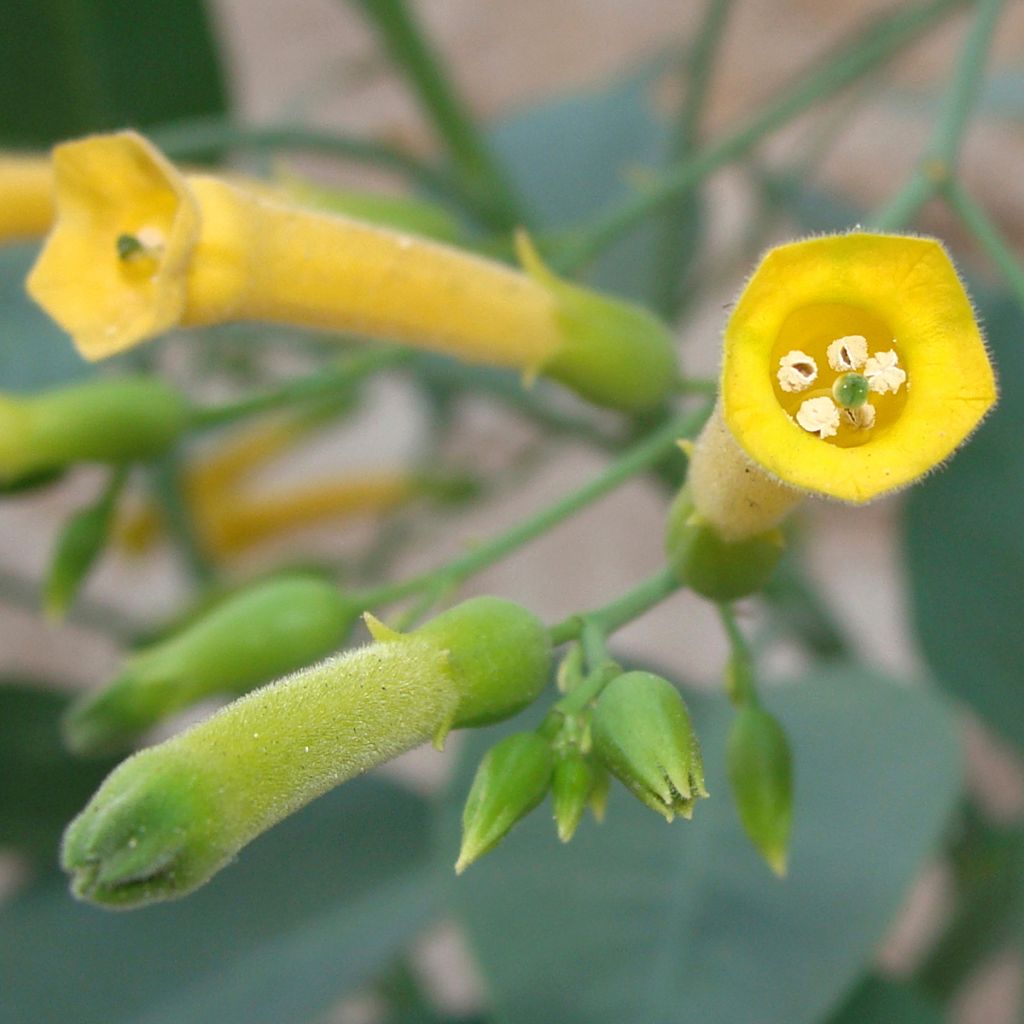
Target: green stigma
851, 390
128, 246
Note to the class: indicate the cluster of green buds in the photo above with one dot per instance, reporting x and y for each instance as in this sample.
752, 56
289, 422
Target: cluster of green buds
172, 815
112, 420
633, 725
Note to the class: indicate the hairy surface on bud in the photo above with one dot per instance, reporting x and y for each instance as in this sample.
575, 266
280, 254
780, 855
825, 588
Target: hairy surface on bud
259, 634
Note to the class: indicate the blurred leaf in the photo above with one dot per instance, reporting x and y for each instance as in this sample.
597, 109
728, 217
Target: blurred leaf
75, 66
616, 139
880, 1001
307, 912
639, 921
965, 549
41, 784
34, 352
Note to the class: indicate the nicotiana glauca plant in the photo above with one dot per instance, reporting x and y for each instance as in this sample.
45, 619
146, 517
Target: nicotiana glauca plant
853, 365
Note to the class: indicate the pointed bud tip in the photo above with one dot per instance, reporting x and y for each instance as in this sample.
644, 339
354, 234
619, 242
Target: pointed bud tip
380, 631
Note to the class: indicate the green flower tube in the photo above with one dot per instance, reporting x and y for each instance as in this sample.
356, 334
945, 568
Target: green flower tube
113, 420
271, 628
170, 817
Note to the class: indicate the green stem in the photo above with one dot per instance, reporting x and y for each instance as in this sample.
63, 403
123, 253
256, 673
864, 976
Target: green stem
985, 231
318, 385
167, 485
646, 453
203, 138
408, 47
681, 216
740, 671
941, 156
875, 45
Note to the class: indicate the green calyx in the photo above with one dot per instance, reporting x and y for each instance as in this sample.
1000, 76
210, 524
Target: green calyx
512, 779
760, 769
256, 635
615, 353
713, 567
642, 733
112, 420
571, 787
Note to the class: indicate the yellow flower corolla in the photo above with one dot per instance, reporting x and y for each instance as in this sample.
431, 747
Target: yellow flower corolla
853, 365
139, 247
26, 197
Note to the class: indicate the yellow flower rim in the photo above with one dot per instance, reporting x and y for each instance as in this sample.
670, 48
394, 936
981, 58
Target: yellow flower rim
911, 284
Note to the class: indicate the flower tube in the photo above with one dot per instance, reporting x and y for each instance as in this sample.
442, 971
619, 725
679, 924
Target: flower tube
26, 197
853, 365
139, 248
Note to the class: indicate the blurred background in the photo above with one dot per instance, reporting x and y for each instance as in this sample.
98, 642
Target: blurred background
576, 97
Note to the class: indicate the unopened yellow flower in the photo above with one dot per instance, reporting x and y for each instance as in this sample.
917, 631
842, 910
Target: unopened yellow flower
139, 248
26, 197
853, 365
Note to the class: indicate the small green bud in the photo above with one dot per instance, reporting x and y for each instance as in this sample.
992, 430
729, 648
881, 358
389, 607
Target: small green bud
81, 542
105, 420
571, 787
709, 565
615, 353
172, 815
642, 732
511, 780
253, 636
761, 775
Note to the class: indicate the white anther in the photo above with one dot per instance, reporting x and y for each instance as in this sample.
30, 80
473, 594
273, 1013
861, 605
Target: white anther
819, 416
797, 371
849, 353
862, 417
151, 239
883, 372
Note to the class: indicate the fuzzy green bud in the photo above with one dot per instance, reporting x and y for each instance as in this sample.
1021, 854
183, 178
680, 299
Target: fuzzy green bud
571, 787
255, 635
614, 352
642, 732
761, 774
512, 779
111, 420
712, 567
170, 816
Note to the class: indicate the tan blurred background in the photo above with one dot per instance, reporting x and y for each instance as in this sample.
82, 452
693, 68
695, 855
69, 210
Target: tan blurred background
314, 60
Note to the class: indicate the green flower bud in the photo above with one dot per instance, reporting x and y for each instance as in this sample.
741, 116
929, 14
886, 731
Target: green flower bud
642, 732
253, 636
614, 353
511, 780
712, 567
571, 787
761, 774
81, 542
110, 420
170, 816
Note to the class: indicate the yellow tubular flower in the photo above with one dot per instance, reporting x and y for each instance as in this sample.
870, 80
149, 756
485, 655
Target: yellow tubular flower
853, 365
139, 248
26, 197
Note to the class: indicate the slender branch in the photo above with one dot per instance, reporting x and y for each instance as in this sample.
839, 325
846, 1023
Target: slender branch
985, 231
875, 45
646, 453
681, 216
940, 158
165, 474
409, 49
740, 670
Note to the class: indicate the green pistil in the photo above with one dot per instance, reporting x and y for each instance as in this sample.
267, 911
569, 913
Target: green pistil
851, 390
128, 247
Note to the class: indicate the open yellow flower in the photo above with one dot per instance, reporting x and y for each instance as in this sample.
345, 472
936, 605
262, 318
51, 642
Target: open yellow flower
139, 248
853, 365
26, 197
